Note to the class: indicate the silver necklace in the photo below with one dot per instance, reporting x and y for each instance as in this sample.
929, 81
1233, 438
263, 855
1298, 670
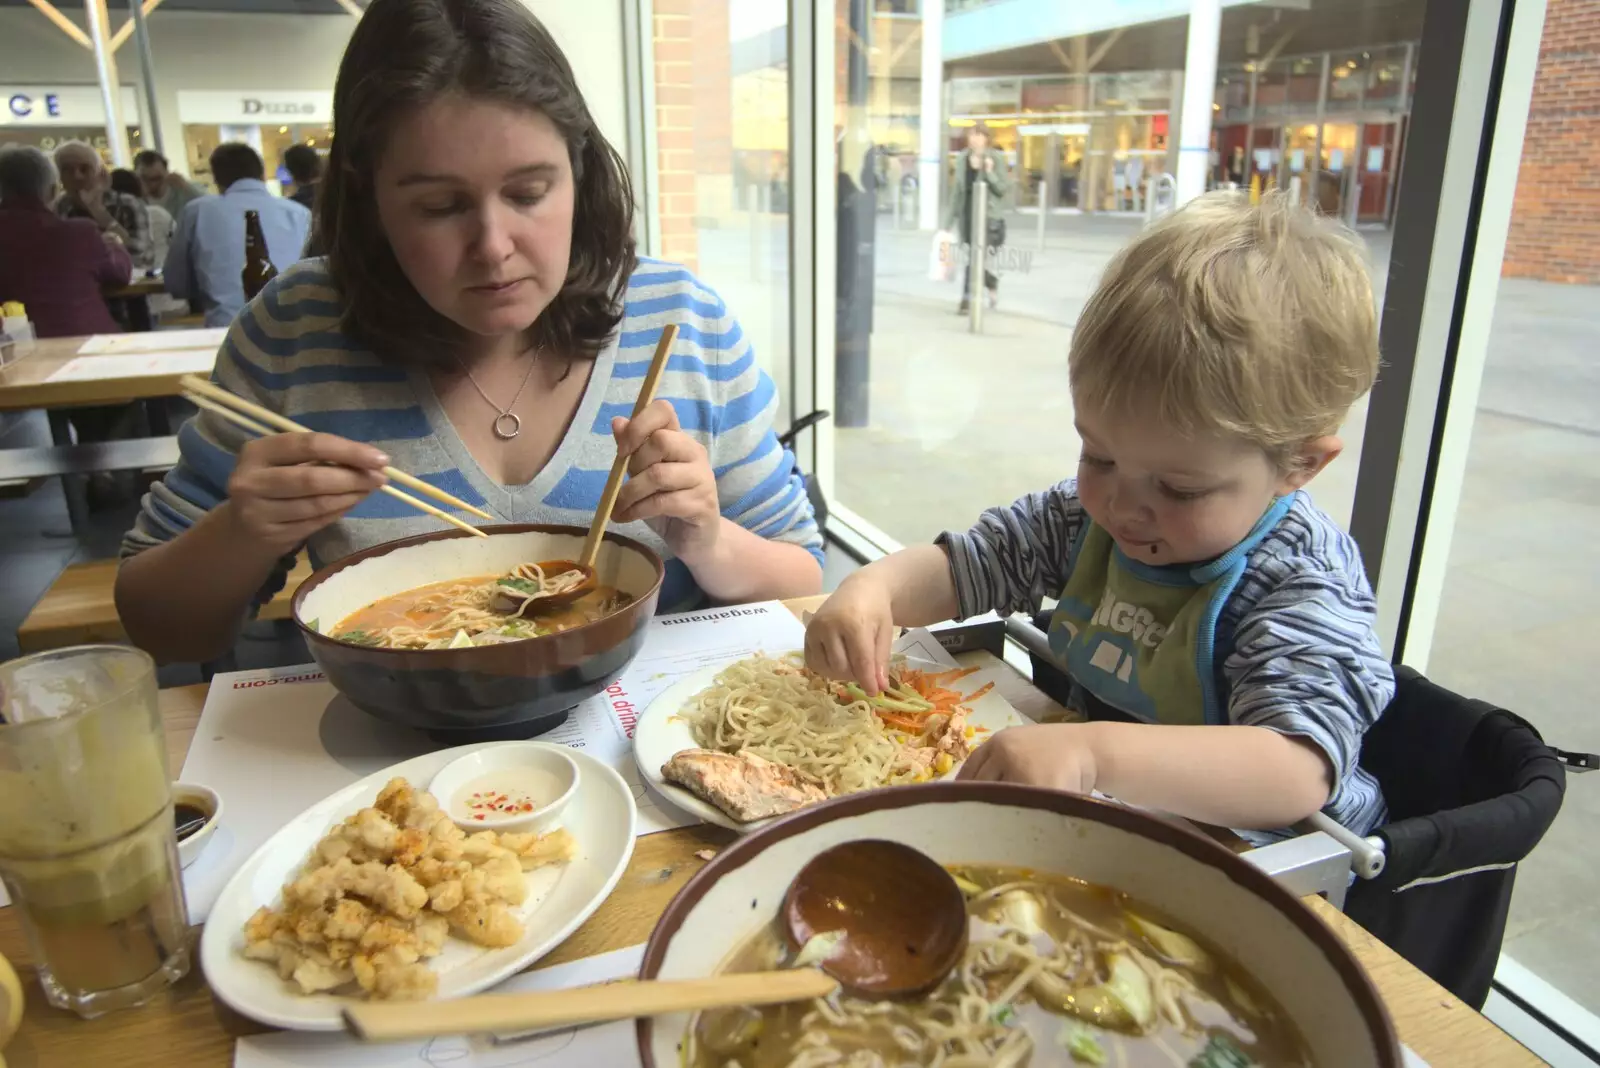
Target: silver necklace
507, 424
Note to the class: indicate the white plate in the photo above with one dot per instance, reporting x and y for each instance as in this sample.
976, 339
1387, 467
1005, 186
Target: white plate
601, 817
661, 732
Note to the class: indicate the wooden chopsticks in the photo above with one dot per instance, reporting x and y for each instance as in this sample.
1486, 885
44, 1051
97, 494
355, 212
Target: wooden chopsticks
619, 466
251, 417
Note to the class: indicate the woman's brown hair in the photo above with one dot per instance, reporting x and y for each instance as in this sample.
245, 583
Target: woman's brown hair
404, 55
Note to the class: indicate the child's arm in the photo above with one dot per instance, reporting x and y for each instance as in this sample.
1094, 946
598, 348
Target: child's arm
1013, 556
1306, 680
1245, 777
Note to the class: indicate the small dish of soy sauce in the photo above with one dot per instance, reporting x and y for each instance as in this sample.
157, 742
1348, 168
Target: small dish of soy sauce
196, 811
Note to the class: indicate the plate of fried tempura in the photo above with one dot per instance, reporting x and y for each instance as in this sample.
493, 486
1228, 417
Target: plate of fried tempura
375, 892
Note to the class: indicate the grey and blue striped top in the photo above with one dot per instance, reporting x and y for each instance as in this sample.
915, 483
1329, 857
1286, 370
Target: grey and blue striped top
287, 352
1295, 646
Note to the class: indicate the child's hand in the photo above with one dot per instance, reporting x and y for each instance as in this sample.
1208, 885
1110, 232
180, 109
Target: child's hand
850, 636
1057, 756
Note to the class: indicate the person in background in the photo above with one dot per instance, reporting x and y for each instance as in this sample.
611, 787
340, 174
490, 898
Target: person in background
161, 223
161, 227
55, 266
162, 186
207, 255
305, 167
978, 157
87, 194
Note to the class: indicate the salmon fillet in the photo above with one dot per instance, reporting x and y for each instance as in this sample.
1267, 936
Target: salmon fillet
745, 786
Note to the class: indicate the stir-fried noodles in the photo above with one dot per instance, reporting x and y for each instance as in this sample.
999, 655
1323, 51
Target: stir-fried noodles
778, 710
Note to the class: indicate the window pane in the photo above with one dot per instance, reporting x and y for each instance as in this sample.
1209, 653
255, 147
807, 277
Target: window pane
1086, 123
722, 138
1518, 622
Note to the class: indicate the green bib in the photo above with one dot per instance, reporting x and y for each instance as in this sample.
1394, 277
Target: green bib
1142, 639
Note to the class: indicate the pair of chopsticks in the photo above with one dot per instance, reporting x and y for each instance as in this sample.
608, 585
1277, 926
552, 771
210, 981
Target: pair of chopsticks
259, 420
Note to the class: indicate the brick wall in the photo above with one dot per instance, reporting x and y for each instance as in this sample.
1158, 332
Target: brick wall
673, 42
1555, 218
694, 120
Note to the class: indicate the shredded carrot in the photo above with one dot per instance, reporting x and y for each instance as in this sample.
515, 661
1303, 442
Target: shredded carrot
909, 724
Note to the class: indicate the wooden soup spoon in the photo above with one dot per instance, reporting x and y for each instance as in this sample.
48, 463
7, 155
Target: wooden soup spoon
894, 921
608, 496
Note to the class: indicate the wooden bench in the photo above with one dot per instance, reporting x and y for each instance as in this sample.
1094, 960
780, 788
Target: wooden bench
79, 607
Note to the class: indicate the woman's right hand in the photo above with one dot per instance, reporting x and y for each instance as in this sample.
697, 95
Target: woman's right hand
851, 634
286, 487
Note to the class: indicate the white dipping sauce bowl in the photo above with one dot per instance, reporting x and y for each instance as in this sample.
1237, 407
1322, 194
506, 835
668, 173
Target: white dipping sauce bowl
541, 769
206, 800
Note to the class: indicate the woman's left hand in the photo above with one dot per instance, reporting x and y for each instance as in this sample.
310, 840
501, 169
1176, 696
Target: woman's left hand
670, 484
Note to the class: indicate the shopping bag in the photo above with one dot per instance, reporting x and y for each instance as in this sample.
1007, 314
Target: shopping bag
942, 259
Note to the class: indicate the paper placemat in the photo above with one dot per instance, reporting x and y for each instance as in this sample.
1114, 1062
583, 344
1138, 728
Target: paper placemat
273, 742
155, 341
136, 365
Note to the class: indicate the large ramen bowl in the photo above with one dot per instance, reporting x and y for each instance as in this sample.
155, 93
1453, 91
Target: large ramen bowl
514, 689
1200, 886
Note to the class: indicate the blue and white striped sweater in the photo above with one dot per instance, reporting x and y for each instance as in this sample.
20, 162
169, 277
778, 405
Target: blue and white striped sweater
287, 352
1295, 646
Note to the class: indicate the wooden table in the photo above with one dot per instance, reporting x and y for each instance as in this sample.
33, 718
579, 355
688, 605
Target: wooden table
24, 382
186, 1026
143, 287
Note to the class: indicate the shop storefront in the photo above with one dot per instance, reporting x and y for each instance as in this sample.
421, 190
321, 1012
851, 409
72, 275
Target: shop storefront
268, 120
1328, 127
1085, 143
47, 115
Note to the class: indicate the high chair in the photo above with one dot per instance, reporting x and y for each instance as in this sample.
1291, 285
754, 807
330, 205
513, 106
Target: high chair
1470, 789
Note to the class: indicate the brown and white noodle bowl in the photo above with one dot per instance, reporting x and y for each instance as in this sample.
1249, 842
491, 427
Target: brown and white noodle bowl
511, 689
1196, 885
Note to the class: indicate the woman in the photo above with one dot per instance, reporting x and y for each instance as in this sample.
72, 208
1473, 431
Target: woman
979, 158
482, 321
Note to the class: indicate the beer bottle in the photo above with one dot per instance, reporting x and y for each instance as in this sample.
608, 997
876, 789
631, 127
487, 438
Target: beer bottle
258, 268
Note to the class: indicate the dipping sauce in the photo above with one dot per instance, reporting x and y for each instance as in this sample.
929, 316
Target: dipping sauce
188, 818
507, 792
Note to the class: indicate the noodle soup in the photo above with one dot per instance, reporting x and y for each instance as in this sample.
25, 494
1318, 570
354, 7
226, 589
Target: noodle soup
1057, 972
469, 612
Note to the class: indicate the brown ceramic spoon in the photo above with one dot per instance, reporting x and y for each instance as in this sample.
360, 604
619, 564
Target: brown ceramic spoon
512, 603
903, 920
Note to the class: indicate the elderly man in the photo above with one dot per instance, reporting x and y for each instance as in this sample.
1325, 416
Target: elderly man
206, 261
54, 266
162, 186
88, 195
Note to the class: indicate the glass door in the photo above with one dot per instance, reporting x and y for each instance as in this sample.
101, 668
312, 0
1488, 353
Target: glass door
1337, 177
1297, 173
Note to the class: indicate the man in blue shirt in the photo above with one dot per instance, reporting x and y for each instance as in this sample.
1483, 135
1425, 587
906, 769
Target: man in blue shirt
206, 260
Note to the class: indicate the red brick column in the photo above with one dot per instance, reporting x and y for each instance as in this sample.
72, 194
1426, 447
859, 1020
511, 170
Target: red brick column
673, 41
1555, 218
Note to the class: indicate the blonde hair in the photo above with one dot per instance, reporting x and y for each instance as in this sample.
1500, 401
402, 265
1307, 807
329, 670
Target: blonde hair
1252, 321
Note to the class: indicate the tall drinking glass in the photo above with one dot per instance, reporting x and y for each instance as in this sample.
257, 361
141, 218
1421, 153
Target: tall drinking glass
87, 849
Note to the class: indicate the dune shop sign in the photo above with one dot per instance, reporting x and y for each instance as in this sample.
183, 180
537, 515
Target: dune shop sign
255, 108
